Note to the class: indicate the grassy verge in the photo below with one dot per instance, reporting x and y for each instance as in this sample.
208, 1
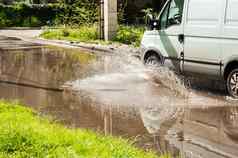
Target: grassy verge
25, 134
81, 34
130, 35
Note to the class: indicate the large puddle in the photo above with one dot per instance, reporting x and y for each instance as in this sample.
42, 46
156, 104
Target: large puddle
115, 94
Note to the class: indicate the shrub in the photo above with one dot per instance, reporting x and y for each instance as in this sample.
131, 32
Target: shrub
129, 35
85, 33
65, 32
27, 15
78, 12
88, 33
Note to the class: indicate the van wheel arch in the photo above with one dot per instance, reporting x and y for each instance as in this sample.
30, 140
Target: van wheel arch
230, 76
229, 68
154, 53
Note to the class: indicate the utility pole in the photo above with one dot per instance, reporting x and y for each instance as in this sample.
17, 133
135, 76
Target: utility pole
110, 19
101, 19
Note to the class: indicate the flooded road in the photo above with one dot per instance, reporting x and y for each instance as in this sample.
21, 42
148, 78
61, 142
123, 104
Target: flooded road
115, 94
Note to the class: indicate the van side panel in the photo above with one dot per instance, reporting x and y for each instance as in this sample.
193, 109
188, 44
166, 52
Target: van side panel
202, 48
229, 31
203, 18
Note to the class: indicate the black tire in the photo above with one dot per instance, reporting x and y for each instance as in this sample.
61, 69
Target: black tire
232, 83
153, 60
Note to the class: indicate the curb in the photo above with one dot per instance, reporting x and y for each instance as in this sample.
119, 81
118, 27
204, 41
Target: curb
93, 47
20, 28
62, 43
86, 46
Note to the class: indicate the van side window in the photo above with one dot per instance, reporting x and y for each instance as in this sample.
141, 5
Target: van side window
172, 14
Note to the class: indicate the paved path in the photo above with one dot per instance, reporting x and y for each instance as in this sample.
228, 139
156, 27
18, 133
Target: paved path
21, 33
32, 36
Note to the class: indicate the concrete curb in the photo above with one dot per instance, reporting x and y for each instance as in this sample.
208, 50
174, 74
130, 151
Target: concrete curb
62, 43
93, 47
20, 28
33, 37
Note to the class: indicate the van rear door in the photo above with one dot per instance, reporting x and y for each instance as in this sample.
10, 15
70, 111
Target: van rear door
202, 27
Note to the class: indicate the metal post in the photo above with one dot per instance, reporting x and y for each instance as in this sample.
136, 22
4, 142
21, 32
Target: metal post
101, 19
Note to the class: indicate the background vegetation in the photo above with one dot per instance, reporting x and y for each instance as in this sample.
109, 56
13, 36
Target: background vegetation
78, 12
77, 20
27, 15
130, 35
69, 12
74, 12
83, 33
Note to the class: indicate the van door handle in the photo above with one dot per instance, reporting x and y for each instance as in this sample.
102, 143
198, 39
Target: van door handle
182, 55
181, 38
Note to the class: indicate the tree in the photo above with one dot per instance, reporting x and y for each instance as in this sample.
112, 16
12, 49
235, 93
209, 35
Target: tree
77, 12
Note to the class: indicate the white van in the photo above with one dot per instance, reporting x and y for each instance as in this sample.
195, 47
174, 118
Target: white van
198, 37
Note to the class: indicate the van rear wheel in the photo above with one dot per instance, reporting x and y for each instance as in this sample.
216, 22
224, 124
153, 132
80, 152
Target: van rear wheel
232, 83
153, 61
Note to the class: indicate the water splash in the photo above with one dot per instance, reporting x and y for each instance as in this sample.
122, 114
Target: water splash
124, 81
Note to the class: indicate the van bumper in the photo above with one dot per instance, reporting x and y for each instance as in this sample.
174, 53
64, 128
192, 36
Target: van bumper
142, 52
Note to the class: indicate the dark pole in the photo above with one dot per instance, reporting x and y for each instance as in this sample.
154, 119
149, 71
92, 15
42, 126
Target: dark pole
101, 20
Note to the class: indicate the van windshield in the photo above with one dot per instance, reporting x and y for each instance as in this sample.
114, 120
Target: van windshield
172, 14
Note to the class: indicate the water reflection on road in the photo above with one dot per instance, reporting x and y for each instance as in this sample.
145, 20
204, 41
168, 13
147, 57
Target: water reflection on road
115, 94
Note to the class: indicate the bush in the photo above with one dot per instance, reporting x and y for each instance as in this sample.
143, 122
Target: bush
129, 35
78, 12
84, 33
23, 15
88, 33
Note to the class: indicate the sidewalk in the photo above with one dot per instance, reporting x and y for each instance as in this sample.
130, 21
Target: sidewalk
31, 35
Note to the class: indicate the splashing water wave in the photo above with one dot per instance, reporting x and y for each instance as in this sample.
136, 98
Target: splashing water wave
124, 80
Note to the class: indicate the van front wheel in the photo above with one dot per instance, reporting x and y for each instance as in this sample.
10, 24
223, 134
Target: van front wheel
232, 83
153, 60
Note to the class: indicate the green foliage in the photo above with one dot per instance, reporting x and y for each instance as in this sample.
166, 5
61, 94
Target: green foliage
129, 35
121, 11
88, 33
24, 134
83, 33
75, 12
23, 15
78, 12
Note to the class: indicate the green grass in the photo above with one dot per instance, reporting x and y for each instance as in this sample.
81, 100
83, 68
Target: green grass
81, 34
130, 35
25, 134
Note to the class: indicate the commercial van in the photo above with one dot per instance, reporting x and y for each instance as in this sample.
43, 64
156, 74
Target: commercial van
196, 37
